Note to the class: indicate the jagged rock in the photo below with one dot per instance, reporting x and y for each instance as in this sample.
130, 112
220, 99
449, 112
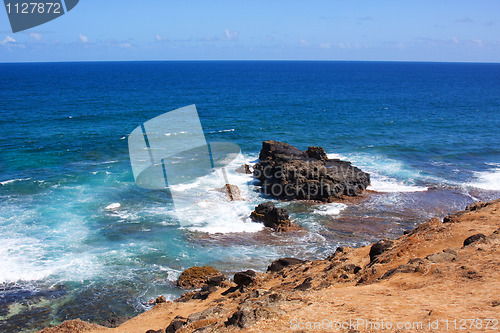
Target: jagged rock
231, 191
379, 248
281, 263
317, 153
245, 168
245, 278
196, 277
288, 173
176, 324
474, 238
273, 217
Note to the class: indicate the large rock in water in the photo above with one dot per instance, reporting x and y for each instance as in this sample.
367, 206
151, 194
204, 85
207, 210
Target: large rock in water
288, 173
273, 217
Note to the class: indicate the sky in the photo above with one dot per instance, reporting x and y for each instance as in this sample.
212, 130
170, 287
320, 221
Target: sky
355, 30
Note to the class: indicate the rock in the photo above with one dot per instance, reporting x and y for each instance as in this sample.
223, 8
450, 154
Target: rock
288, 173
231, 191
115, 321
317, 153
245, 168
243, 279
205, 314
160, 299
474, 238
281, 263
216, 281
154, 331
379, 248
176, 324
249, 314
414, 265
306, 284
196, 277
273, 217
476, 206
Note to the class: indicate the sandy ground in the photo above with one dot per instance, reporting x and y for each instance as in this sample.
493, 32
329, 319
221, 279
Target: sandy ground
427, 281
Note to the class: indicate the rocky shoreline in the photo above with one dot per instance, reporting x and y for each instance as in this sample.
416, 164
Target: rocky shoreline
442, 272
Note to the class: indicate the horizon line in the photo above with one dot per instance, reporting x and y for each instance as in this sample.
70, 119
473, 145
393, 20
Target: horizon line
250, 60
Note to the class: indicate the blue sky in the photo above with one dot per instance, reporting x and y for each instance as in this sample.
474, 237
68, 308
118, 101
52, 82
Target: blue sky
262, 30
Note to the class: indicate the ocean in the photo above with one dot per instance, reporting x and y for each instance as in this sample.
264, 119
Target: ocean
426, 132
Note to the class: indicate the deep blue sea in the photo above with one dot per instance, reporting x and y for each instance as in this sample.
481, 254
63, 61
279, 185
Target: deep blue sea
428, 133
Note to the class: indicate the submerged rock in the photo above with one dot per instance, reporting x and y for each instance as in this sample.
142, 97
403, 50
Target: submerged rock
196, 277
273, 217
288, 173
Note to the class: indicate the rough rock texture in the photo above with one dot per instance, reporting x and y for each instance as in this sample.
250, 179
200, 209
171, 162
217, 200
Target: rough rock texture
288, 173
379, 248
245, 168
424, 277
246, 278
273, 217
281, 263
231, 191
196, 277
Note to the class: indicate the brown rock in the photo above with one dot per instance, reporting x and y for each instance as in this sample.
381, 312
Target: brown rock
176, 324
245, 168
317, 153
231, 191
196, 277
245, 278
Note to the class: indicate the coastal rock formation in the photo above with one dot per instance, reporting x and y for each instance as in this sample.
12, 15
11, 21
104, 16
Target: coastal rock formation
412, 279
231, 191
288, 173
273, 217
196, 277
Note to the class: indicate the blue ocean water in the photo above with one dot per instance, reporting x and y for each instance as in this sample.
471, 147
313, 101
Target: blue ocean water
427, 133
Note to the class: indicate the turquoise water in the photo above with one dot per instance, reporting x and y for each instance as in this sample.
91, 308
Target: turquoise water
427, 133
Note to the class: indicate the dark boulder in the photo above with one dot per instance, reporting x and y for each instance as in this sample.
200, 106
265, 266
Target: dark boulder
243, 279
281, 263
176, 324
379, 248
273, 217
285, 172
474, 238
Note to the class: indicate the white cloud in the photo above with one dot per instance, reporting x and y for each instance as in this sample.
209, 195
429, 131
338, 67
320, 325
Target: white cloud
455, 40
230, 36
7, 40
325, 45
35, 36
303, 42
125, 45
83, 38
158, 37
